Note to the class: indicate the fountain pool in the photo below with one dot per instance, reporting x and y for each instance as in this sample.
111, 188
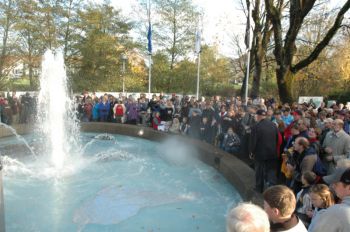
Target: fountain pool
60, 179
116, 183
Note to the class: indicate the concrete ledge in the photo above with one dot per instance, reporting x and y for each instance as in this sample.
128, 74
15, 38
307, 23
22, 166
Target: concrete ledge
20, 129
233, 169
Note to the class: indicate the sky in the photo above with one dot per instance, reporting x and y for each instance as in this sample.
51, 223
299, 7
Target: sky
221, 19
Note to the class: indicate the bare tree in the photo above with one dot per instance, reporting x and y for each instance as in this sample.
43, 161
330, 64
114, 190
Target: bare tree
285, 45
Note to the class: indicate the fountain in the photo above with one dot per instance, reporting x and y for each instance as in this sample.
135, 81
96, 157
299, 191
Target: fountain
84, 181
56, 119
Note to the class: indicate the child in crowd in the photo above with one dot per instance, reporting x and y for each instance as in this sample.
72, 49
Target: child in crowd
205, 130
231, 143
321, 198
184, 126
304, 203
175, 126
156, 121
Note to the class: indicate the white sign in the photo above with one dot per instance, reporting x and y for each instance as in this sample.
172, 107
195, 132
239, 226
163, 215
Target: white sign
316, 101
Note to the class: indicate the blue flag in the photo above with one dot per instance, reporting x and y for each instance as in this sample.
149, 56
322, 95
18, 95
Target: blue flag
149, 37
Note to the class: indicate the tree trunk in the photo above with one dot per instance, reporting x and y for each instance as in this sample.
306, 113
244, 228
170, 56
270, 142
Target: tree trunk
4, 44
256, 50
3, 52
258, 55
31, 82
242, 91
255, 92
284, 78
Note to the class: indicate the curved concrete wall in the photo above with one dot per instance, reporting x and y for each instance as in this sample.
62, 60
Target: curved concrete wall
235, 171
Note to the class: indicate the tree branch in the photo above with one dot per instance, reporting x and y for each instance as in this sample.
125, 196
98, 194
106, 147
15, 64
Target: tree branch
298, 11
275, 17
319, 48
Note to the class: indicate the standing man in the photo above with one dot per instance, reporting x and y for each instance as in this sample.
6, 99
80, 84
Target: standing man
263, 149
337, 217
336, 145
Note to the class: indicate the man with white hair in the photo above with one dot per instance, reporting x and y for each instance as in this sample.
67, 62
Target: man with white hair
247, 217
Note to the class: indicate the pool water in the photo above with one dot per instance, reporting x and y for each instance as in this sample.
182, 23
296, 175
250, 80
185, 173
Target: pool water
117, 183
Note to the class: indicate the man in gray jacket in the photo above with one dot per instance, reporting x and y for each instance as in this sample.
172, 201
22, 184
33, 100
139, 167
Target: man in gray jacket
337, 217
336, 145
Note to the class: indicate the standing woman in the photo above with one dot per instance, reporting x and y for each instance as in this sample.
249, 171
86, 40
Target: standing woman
104, 107
95, 110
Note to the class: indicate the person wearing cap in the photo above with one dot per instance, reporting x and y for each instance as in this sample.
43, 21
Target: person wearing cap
337, 217
263, 149
336, 145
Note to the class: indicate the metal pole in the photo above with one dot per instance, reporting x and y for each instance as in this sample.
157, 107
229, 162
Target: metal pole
198, 73
2, 208
149, 75
149, 50
123, 73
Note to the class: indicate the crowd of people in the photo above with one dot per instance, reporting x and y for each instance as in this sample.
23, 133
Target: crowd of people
317, 208
300, 153
17, 109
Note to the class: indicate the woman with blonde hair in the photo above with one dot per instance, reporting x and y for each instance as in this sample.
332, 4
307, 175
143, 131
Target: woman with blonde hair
321, 198
175, 126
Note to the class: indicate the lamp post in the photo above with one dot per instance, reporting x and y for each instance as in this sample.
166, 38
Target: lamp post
124, 59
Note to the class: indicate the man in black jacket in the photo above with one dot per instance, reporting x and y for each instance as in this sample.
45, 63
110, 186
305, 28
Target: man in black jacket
263, 149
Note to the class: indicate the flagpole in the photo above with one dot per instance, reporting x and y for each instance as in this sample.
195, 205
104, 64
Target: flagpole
198, 51
198, 73
149, 74
149, 48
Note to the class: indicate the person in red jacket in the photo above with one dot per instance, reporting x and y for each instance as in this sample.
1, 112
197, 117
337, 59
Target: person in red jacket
297, 115
156, 120
119, 112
